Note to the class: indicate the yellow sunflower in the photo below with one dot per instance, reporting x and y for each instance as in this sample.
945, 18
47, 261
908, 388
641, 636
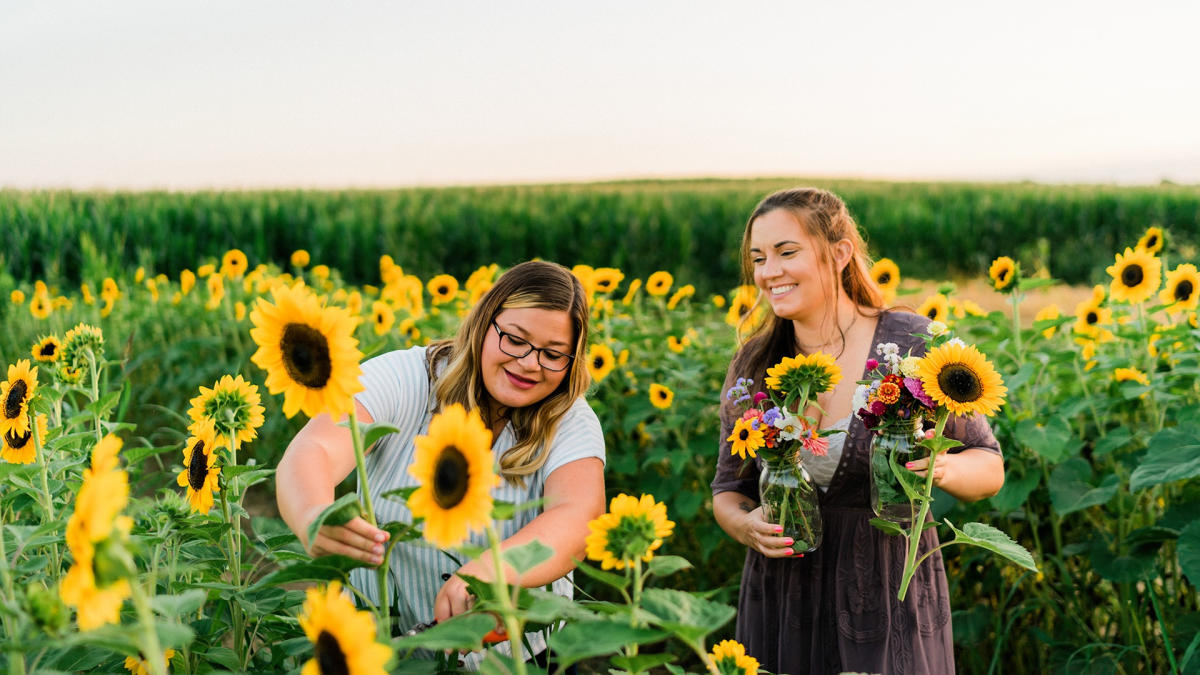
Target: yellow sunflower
140, 666
661, 396
454, 466
442, 288
676, 345
1136, 276
15, 394
343, 637
233, 408
746, 439
17, 297
1131, 375
382, 317
600, 361
606, 279
20, 448
632, 530
300, 258
584, 274
815, 373
200, 473
483, 276
745, 301
1152, 241
731, 659
1180, 293
1091, 319
718, 301
886, 274
959, 377
685, 291
936, 307
40, 307
631, 292
659, 283
1048, 313
309, 352
187, 281
1002, 273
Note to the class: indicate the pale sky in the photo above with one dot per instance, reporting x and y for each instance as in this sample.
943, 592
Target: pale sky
188, 95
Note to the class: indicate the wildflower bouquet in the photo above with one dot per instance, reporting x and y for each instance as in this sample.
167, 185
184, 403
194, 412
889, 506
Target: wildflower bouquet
773, 423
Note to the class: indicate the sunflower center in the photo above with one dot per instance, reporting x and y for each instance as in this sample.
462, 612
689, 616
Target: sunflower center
631, 537
1092, 318
1002, 275
884, 278
598, 362
443, 290
306, 355
960, 383
1152, 241
744, 436
48, 349
1132, 275
744, 309
16, 396
198, 467
1184, 290
17, 442
450, 477
330, 658
932, 313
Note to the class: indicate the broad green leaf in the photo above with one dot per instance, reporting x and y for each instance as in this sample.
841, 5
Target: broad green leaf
135, 455
375, 431
617, 581
641, 662
527, 556
1173, 454
585, 639
664, 565
888, 526
400, 494
495, 663
988, 537
1115, 440
1031, 283
465, 631
175, 606
1071, 491
685, 614
1052, 440
1135, 566
340, 512
1188, 550
325, 568
1016, 491
223, 656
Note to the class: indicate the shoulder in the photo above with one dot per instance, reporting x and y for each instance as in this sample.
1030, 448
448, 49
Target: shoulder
579, 416
400, 360
902, 327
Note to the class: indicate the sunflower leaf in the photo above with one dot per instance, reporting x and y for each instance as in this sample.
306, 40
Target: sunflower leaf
641, 662
528, 556
685, 614
1188, 551
325, 568
400, 494
342, 511
173, 606
507, 510
461, 632
887, 526
988, 537
617, 581
664, 565
1029, 284
585, 639
1173, 454
375, 431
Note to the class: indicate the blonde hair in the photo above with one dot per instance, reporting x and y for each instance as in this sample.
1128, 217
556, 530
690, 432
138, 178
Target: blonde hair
534, 284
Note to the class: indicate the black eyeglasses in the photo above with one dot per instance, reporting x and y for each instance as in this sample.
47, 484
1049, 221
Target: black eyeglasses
516, 347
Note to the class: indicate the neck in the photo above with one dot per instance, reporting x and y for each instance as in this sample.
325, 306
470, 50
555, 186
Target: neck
827, 331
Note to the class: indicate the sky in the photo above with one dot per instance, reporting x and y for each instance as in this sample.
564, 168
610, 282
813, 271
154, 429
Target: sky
230, 95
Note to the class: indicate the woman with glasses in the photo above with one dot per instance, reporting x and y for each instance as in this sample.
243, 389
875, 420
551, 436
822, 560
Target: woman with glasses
518, 359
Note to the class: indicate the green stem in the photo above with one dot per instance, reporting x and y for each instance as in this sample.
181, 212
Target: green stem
1016, 323
16, 661
151, 648
1163, 626
381, 572
235, 609
508, 610
94, 375
918, 523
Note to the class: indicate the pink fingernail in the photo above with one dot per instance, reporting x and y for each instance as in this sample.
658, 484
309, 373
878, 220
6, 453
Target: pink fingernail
779, 528
908, 465
788, 551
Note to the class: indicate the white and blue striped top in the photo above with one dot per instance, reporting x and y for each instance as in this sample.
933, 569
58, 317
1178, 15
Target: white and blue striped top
397, 392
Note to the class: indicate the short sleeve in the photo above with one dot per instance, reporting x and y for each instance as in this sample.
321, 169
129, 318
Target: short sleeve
578, 436
733, 473
396, 387
972, 431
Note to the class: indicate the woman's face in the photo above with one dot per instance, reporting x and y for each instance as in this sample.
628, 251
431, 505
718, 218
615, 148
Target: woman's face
516, 382
787, 266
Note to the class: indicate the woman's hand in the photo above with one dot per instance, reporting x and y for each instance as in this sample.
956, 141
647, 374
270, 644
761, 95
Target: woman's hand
453, 599
968, 475
356, 539
738, 515
940, 469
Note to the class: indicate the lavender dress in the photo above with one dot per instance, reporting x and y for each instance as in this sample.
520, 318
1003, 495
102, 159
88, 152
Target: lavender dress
835, 609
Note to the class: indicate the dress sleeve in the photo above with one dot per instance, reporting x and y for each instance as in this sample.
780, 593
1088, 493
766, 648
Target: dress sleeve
395, 387
733, 473
578, 436
972, 431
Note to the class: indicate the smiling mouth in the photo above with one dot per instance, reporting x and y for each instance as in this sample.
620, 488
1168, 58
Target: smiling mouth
518, 380
780, 290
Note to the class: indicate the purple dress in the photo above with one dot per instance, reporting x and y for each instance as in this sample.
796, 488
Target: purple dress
835, 609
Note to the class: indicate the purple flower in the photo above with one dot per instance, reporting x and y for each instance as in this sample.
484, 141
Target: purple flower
759, 397
872, 364
914, 387
772, 416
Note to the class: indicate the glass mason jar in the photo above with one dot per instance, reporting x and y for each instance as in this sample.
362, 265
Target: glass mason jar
789, 499
891, 449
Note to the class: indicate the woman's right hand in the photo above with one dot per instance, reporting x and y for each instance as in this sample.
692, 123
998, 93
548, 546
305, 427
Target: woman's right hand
356, 539
764, 537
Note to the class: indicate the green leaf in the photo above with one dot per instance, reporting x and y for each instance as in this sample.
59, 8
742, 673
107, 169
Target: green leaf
617, 581
1172, 454
527, 556
664, 565
507, 510
586, 639
1115, 440
400, 494
887, 526
325, 568
1016, 491
1188, 550
464, 631
1137, 565
1052, 440
342, 511
135, 455
641, 662
375, 431
223, 656
988, 537
1070, 490
248, 476
174, 606
687, 615
1032, 283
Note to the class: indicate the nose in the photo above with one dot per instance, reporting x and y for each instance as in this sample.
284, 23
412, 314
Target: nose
530, 361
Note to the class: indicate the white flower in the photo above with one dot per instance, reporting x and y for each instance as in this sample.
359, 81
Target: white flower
910, 365
789, 427
859, 400
956, 341
936, 328
887, 349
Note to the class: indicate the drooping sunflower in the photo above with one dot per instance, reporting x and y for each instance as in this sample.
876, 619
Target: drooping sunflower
15, 394
661, 396
631, 292
1131, 375
1048, 313
200, 473
20, 448
886, 274
959, 377
600, 361
382, 317
746, 439
1136, 276
632, 530
936, 307
731, 659
606, 279
659, 283
685, 291
815, 373
1182, 291
308, 351
442, 288
140, 666
233, 409
1002, 273
1152, 241
343, 637
454, 466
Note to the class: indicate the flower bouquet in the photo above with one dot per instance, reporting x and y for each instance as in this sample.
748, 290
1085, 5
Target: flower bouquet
773, 423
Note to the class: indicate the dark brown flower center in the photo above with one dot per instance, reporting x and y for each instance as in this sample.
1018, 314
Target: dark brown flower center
1092, 318
48, 349
306, 355
598, 362
450, 477
932, 313
960, 383
884, 278
330, 658
443, 290
198, 467
1132, 275
1184, 290
1152, 241
1002, 275
16, 396
18, 442
744, 436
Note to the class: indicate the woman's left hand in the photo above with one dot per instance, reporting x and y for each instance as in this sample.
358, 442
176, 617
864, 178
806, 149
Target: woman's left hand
453, 599
942, 469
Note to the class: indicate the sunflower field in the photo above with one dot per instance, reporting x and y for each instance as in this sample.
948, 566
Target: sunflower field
142, 420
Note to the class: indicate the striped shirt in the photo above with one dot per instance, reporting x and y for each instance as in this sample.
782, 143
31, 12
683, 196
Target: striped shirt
397, 392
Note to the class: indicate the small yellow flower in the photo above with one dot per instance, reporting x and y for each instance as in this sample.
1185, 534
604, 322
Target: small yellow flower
730, 658
661, 396
17, 297
1046, 314
631, 531
300, 258
659, 283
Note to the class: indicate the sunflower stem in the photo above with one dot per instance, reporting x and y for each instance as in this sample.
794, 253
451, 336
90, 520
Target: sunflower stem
381, 572
94, 377
235, 610
40, 457
150, 645
918, 523
508, 610
16, 661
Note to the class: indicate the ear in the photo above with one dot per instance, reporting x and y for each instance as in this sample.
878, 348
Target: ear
843, 252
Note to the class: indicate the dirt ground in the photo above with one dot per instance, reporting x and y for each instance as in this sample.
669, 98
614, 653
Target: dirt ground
980, 292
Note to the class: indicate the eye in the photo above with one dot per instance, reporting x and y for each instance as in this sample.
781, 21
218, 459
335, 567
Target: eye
757, 260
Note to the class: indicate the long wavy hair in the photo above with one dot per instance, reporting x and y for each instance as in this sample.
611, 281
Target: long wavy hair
825, 218
455, 365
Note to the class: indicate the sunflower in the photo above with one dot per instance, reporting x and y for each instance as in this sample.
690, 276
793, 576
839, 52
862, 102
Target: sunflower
632, 530
886, 274
1136, 275
631, 292
1048, 313
140, 666
187, 281
1152, 241
1002, 273
661, 396
200, 473
17, 297
382, 317
343, 637
959, 377
746, 439
676, 345
20, 448
233, 408
109, 290
600, 361
239, 311
685, 291
300, 258
606, 279
454, 465
354, 303
483, 276
1180, 293
40, 307
718, 301
1131, 375
816, 373
659, 283
216, 290
1091, 318
745, 298
731, 659
15, 394
936, 307
309, 352
442, 288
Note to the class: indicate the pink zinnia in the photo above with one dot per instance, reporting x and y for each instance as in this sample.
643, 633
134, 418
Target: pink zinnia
914, 387
878, 408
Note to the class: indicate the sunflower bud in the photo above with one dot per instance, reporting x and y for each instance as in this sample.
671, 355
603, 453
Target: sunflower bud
112, 562
47, 609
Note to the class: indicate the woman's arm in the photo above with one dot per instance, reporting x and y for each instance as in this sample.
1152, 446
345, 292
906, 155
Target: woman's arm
318, 458
969, 475
574, 497
742, 519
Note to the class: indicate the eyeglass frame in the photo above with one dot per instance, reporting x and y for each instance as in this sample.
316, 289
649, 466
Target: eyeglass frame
540, 350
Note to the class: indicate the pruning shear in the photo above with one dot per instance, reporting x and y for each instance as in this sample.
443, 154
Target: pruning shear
492, 637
